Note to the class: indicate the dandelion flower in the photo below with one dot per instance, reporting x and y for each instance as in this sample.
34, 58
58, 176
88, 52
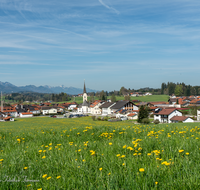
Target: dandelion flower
110, 143
109, 173
181, 151
25, 168
45, 175
48, 178
156, 182
100, 169
187, 153
58, 177
43, 157
141, 169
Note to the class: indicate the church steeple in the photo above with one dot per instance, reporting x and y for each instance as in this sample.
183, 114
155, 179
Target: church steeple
84, 89
84, 93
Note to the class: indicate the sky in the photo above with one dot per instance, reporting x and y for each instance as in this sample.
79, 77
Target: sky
109, 43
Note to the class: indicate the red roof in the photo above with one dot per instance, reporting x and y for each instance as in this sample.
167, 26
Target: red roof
6, 118
178, 118
165, 111
27, 113
131, 114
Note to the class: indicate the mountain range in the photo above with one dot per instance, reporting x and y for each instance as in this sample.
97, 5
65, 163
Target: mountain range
7, 87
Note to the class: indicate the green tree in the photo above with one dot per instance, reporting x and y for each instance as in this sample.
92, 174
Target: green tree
127, 98
179, 90
143, 113
113, 98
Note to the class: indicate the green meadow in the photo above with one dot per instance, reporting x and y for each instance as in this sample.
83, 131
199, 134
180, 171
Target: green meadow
153, 98
50, 153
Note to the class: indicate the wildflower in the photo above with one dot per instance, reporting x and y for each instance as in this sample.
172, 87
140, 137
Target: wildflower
39, 189
25, 168
1, 160
141, 169
45, 175
78, 166
18, 140
123, 164
40, 151
84, 160
124, 146
50, 148
43, 157
28, 185
181, 151
48, 178
123, 156
58, 177
135, 154
118, 155
110, 143
187, 153
100, 169
148, 154
50, 144
156, 182
79, 150
109, 173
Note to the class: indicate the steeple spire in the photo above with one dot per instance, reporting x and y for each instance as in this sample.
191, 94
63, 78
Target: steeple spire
84, 89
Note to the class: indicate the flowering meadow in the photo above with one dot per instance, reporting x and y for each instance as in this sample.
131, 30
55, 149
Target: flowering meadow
50, 153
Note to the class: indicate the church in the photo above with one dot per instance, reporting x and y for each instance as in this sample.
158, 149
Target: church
85, 106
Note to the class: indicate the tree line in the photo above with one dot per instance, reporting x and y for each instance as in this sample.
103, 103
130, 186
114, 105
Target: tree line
179, 89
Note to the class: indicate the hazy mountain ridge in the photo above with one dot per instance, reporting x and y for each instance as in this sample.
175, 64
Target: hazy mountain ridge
7, 87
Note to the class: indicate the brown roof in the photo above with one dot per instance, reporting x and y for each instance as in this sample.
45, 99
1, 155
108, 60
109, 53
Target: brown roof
165, 111
178, 118
27, 113
6, 118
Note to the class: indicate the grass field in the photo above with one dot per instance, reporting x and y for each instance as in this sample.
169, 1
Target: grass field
84, 154
152, 98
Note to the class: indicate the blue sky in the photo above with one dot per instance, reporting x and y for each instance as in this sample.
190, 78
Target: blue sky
109, 43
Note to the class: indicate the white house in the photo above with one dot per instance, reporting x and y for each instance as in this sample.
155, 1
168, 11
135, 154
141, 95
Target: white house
106, 108
165, 115
26, 114
198, 115
95, 107
48, 110
184, 119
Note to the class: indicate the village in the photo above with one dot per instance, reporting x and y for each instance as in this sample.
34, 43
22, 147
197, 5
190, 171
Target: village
173, 111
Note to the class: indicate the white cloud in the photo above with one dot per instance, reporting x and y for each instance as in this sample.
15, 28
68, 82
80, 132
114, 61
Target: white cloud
108, 7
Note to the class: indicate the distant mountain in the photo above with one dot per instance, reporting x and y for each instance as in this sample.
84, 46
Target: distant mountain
7, 87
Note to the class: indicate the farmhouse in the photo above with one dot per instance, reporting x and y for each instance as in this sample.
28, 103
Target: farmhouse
165, 115
183, 119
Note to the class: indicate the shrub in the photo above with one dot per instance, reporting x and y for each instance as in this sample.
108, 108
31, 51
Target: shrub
145, 120
156, 121
105, 118
98, 118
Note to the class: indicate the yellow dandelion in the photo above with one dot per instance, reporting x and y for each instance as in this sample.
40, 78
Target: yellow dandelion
124, 146
43, 157
39, 189
28, 185
50, 144
123, 164
149, 154
187, 153
40, 151
84, 160
48, 178
100, 169
25, 168
123, 156
45, 175
156, 182
79, 150
118, 155
109, 173
141, 169
58, 177
1, 160
110, 143
180, 151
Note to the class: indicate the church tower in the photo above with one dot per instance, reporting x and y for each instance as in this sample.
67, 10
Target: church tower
84, 93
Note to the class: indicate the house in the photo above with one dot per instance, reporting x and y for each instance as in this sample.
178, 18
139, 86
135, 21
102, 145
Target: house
147, 94
123, 105
105, 108
95, 107
165, 115
183, 119
198, 115
48, 110
132, 116
26, 114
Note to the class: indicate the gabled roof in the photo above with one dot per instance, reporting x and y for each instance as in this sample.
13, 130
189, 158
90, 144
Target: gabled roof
179, 118
106, 105
27, 113
120, 104
131, 114
85, 103
165, 111
95, 103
